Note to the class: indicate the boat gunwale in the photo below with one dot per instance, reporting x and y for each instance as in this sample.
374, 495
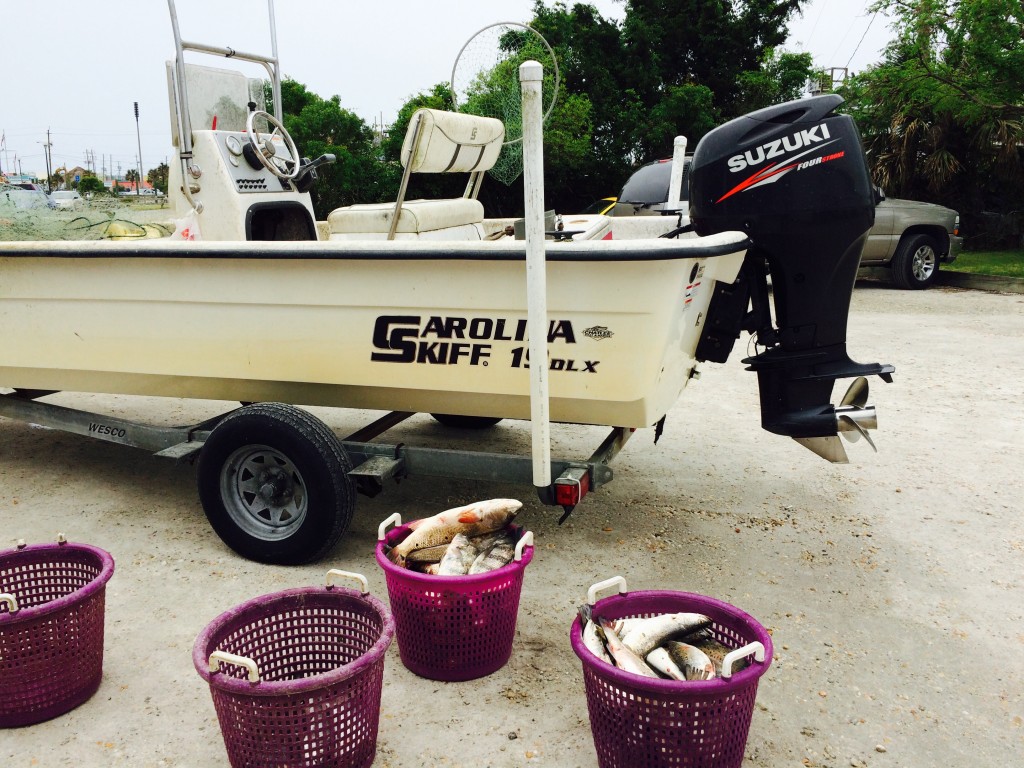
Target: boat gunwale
721, 244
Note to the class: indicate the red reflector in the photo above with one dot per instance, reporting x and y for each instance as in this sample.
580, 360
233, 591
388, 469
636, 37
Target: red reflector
569, 492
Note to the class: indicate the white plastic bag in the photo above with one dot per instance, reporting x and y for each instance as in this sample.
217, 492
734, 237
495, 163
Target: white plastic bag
187, 227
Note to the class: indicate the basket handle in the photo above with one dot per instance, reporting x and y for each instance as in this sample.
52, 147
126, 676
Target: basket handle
334, 572
395, 518
602, 585
526, 540
732, 657
11, 600
239, 661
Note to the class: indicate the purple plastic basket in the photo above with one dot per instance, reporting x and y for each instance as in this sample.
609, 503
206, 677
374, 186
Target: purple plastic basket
51, 629
318, 653
453, 628
638, 721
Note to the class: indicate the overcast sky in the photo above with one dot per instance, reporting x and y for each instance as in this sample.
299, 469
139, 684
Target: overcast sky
75, 67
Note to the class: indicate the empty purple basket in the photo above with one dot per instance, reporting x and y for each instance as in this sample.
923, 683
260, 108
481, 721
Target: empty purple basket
454, 627
644, 722
296, 676
51, 629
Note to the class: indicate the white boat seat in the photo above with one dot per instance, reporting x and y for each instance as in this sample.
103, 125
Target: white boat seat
451, 142
435, 142
416, 217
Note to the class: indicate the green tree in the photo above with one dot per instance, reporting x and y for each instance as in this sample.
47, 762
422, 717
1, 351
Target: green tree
780, 77
674, 42
943, 115
322, 126
90, 184
157, 177
673, 67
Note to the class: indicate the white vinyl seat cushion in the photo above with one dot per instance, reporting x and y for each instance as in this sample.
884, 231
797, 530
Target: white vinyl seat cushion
417, 216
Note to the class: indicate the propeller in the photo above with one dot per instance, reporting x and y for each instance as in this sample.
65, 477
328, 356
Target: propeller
853, 419
857, 394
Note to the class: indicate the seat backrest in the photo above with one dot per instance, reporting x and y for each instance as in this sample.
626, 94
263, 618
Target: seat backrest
451, 142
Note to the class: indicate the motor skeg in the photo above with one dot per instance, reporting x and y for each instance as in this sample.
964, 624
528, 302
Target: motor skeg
794, 178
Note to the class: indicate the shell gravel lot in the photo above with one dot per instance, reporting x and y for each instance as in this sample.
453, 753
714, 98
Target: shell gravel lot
892, 585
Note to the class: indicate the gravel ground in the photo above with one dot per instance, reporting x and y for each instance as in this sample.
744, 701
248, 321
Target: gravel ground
892, 586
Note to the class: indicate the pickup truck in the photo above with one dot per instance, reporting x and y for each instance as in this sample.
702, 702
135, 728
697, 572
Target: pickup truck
909, 238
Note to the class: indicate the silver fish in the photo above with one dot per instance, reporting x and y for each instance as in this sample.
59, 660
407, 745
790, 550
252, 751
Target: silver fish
625, 658
458, 557
499, 554
648, 634
661, 661
591, 641
693, 662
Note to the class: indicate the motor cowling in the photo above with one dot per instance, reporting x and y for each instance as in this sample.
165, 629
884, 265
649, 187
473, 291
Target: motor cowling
794, 178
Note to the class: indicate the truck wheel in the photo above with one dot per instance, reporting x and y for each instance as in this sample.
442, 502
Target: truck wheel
465, 422
916, 263
273, 481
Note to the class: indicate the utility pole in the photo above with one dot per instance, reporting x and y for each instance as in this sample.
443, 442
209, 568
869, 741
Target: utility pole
49, 172
138, 136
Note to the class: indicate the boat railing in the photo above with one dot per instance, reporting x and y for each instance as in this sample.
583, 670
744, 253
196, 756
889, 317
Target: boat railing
270, 63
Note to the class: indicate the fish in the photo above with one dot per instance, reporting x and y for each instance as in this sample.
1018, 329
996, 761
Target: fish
716, 651
427, 554
624, 658
645, 636
661, 661
458, 557
622, 626
591, 641
498, 554
472, 519
691, 660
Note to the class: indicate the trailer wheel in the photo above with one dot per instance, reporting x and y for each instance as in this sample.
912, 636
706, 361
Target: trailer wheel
273, 481
465, 422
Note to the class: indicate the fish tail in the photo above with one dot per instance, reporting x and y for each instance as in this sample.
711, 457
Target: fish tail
586, 612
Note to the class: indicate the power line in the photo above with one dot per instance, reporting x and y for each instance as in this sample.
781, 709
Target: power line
862, 38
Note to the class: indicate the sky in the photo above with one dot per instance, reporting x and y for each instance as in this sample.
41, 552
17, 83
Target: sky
75, 68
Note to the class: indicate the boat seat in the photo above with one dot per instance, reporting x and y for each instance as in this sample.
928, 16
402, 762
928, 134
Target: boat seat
416, 216
435, 142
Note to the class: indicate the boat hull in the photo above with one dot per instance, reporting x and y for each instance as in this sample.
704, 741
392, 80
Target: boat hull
378, 327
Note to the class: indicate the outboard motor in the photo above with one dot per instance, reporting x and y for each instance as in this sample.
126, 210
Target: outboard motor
795, 179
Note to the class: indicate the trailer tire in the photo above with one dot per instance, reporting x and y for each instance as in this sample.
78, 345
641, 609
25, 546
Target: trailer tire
273, 482
466, 422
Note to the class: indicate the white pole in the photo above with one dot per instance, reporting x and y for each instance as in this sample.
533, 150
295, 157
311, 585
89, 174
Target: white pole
531, 74
676, 184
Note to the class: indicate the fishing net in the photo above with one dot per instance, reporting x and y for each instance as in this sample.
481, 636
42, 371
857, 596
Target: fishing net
101, 221
485, 81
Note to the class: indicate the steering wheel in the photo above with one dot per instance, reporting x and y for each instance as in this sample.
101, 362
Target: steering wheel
264, 148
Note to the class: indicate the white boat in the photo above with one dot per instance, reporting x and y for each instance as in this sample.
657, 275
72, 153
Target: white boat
410, 306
